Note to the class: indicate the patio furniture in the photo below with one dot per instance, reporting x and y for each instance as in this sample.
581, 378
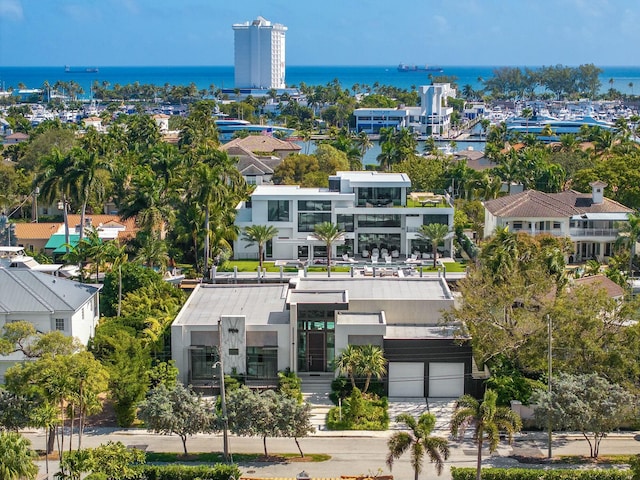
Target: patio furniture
387, 259
365, 254
395, 253
374, 258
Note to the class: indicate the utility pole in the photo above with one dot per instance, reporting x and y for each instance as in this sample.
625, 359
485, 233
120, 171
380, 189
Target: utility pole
549, 373
223, 401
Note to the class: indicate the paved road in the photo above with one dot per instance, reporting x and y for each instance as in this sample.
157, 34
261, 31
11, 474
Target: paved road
352, 453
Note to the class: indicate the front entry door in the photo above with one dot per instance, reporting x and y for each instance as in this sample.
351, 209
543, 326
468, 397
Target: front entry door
315, 351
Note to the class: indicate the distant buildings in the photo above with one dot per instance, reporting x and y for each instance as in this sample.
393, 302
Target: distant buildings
433, 116
259, 54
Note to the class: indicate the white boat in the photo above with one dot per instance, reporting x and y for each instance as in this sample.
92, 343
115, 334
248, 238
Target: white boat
16, 257
174, 277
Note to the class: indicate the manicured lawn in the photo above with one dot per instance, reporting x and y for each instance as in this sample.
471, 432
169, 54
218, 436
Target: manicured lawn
217, 457
252, 266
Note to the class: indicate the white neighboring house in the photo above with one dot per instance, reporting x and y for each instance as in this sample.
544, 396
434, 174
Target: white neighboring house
372, 208
371, 120
590, 220
49, 303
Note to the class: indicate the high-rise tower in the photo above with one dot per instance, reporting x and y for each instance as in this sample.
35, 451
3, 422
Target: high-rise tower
259, 54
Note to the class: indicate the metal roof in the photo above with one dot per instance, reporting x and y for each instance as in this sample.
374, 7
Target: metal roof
24, 290
260, 304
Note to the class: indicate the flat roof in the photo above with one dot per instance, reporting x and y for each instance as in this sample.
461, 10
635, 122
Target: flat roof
394, 288
326, 296
260, 304
369, 177
359, 318
417, 332
294, 190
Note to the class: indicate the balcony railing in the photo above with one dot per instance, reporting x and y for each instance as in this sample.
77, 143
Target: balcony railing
593, 232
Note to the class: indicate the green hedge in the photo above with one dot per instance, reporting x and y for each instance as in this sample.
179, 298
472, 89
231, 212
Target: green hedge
539, 474
186, 472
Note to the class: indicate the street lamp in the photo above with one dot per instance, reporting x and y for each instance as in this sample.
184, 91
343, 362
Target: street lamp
223, 400
34, 213
549, 373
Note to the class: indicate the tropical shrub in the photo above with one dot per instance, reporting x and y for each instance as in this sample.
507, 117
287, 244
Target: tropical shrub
185, 472
290, 384
458, 473
360, 412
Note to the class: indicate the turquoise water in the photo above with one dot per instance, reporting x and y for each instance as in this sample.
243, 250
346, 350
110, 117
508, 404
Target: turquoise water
222, 76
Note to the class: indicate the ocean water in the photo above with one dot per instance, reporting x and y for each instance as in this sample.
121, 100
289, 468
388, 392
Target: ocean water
222, 76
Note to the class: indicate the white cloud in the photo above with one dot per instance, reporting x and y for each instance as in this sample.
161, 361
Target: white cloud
11, 9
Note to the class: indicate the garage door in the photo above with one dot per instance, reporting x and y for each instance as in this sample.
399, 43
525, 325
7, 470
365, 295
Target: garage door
446, 380
406, 379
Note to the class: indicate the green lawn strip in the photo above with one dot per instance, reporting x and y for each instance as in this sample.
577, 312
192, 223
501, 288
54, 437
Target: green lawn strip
217, 457
252, 266
601, 460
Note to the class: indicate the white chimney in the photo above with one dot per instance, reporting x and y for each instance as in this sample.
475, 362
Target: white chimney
597, 191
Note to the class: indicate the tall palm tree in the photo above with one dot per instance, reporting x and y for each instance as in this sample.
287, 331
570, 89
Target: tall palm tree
89, 174
52, 179
436, 233
488, 421
419, 441
329, 233
17, 458
259, 234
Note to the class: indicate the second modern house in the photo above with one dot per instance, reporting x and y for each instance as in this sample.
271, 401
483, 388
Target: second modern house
590, 220
375, 210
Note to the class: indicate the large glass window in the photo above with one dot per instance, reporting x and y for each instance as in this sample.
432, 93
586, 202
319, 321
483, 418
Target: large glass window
345, 222
428, 219
379, 196
378, 221
307, 221
314, 205
202, 360
262, 362
369, 241
279, 211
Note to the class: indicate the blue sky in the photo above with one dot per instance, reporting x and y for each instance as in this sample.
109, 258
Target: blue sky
324, 32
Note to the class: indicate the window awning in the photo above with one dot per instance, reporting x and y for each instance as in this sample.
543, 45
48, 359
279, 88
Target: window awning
56, 242
602, 216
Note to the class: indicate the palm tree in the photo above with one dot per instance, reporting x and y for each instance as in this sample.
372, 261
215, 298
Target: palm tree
372, 363
419, 441
328, 233
488, 421
89, 174
527, 113
17, 458
436, 233
54, 184
153, 251
348, 363
259, 234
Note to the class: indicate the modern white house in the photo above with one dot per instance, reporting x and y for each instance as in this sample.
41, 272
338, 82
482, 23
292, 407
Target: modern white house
432, 117
590, 220
375, 210
436, 114
49, 303
259, 54
371, 120
304, 325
